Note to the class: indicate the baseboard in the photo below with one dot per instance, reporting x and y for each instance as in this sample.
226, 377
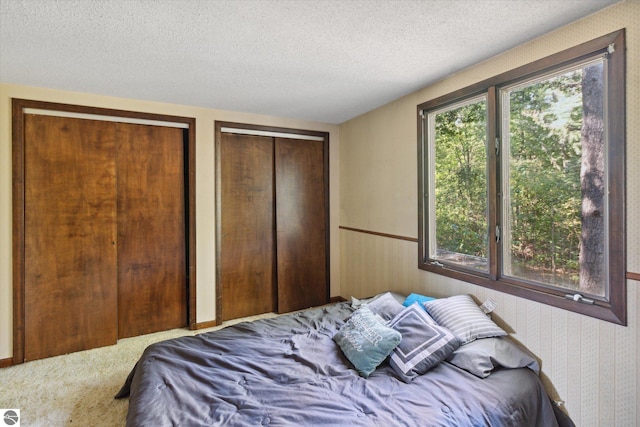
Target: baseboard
204, 325
4, 363
337, 299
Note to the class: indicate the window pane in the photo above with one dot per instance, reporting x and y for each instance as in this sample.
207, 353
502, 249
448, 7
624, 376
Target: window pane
554, 180
458, 149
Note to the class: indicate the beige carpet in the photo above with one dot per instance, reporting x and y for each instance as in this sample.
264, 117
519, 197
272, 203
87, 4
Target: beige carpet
78, 388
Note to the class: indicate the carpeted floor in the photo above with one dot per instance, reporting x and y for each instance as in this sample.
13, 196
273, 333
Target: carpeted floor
78, 388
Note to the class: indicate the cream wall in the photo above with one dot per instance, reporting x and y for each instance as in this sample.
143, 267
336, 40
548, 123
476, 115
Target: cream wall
590, 365
205, 196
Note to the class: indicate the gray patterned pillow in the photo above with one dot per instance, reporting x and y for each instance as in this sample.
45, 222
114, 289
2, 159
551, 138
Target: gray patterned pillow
424, 343
462, 316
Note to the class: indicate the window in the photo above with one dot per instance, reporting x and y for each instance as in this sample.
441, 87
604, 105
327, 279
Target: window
458, 167
521, 183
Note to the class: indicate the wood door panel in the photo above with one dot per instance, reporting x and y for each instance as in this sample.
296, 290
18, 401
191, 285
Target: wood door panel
247, 241
70, 233
152, 282
300, 224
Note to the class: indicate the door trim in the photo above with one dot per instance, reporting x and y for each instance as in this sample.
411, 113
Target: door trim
273, 131
271, 134
19, 109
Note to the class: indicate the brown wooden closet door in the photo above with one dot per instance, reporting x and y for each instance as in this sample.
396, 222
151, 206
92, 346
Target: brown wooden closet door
300, 224
247, 241
70, 233
152, 283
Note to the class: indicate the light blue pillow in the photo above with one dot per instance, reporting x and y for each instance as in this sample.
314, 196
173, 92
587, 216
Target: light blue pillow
424, 343
365, 341
420, 299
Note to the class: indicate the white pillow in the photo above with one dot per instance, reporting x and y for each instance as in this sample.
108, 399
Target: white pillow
386, 306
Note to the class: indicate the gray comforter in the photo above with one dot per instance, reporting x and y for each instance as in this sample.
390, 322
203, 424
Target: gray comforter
287, 371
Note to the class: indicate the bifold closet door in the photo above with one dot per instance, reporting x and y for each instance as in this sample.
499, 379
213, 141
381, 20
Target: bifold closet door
247, 238
105, 254
70, 292
300, 224
152, 281
273, 225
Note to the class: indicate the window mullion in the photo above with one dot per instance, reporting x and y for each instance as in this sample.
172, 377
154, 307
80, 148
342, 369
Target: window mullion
493, 180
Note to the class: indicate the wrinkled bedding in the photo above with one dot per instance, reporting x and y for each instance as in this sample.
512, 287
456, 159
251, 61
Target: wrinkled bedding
287, 371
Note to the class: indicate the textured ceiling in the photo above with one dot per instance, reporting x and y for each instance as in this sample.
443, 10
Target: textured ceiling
319, 60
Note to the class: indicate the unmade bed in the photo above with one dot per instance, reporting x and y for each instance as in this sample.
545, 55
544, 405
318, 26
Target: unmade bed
291, 371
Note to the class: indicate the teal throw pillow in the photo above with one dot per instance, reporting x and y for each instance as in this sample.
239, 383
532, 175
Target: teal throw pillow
365, 341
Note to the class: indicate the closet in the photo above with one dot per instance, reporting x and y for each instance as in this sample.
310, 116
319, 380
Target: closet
272, 220
104, 234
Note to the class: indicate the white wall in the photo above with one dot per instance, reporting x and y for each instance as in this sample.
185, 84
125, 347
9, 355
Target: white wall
205, 185
591, 365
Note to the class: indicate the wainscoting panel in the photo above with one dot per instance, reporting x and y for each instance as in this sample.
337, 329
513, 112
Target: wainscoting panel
590, 365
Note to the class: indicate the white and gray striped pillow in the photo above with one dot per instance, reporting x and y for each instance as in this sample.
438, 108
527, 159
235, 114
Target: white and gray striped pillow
462, 316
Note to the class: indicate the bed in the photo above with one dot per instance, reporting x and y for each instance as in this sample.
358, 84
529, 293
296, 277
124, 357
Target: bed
291, 370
